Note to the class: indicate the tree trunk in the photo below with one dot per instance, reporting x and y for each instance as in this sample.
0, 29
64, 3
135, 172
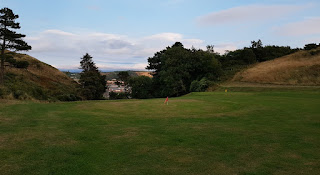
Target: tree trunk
2, 65
2, 61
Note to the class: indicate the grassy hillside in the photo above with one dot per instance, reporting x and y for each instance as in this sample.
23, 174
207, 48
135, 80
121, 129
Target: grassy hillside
300, 68
201, 133
39, 81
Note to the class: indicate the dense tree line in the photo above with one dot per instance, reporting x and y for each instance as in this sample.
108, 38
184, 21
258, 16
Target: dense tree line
311, 46
255, 53
178, 71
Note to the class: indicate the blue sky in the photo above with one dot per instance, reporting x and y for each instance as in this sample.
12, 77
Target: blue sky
122, 34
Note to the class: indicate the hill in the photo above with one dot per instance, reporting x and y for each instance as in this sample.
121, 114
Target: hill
39, 81
300, 68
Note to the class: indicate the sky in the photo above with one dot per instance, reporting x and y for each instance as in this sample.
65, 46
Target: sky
122, 34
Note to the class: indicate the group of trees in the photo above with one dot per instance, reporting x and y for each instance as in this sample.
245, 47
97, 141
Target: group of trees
255, 53
311, 46
175, 68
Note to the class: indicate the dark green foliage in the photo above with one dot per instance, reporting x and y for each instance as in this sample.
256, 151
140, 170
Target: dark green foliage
1, 92
269, 52
248, 56
18, 64
176, 67
93, 85
115, 96
310, 46
272, 52
10, 59
22, 64
141, 87
10, 39
68, 97
124, 76
199, 86
19, 94
92, 82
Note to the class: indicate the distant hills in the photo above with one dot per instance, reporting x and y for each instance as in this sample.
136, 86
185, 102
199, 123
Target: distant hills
300, 68
114, 75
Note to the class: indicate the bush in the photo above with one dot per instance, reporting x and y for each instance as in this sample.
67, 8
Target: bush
39, 94
314, 52
19, 94
68, 97
10, 60
1, 92
199, 86
141, 87
310, 46
114, 95
22, 64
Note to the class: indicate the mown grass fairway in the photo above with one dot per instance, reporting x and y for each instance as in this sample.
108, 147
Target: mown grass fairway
201, 133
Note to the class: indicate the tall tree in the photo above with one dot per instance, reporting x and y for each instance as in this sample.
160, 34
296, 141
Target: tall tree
93, 83
10, 39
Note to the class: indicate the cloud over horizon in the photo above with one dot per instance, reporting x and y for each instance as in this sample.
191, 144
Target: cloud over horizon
110, 51
248, 13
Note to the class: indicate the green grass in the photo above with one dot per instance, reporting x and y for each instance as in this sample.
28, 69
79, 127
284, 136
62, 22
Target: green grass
200, 133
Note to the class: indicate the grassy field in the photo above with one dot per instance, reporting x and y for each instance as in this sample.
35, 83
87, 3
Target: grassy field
200, 133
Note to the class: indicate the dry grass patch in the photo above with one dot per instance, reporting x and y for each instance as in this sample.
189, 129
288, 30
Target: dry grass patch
300, 68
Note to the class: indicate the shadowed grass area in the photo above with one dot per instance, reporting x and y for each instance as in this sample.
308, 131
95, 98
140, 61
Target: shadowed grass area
200, 133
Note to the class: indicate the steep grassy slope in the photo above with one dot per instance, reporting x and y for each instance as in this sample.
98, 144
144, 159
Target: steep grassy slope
39, 81
301, 68
201, 133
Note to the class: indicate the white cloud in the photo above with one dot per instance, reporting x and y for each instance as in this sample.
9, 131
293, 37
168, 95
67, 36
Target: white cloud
222, 48
309, 26
109, 51
249, 13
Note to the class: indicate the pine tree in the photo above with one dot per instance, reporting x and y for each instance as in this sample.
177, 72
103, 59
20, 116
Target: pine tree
93, 83
10, 40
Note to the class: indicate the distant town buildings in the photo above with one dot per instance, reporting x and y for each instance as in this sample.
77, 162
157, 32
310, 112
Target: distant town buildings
112, 85
115, 86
